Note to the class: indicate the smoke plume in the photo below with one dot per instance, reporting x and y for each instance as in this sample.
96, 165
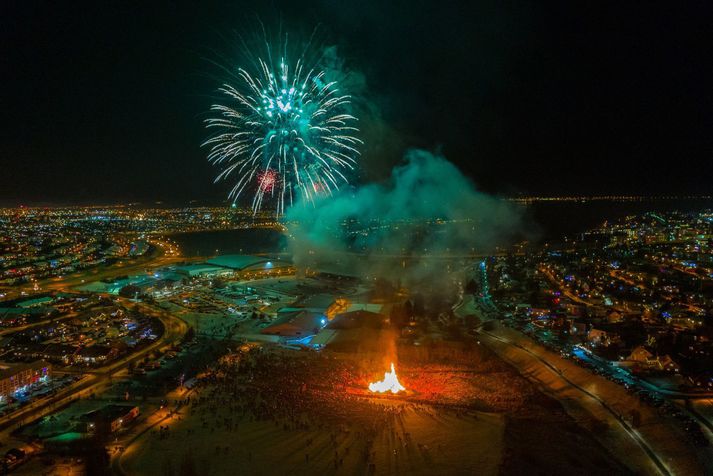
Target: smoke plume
427, 211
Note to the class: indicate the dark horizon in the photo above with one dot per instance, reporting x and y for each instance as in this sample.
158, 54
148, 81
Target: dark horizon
224, 202
104, 103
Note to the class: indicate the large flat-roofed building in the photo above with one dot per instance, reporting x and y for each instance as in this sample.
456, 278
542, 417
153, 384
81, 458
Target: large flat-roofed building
297, 324
15, 377
248, 263
193, 270
230, 264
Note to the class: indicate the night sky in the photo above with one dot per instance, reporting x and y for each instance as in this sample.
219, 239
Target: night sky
104, 101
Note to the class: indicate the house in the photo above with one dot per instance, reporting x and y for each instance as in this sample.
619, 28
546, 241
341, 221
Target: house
95, 354
614, 316
604, 335
643, 357
640, 354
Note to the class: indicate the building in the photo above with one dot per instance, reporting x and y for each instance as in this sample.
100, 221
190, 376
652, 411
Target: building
248, 263
111, 418
641, 356
323, 339
201, 270
297, 325
358, 319
17, 377
603, 337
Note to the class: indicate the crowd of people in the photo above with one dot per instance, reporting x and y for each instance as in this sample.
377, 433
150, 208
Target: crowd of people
310, 393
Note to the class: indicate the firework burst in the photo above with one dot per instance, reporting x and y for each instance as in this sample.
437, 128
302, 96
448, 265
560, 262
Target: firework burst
267, 180
283, 132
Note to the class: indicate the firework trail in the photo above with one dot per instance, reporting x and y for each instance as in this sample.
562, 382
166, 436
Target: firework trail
283, 131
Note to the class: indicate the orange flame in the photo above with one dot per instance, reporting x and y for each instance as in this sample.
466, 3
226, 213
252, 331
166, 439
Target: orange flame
389, 384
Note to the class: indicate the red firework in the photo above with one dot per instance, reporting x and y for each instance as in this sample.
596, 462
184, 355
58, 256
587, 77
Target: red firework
266, 180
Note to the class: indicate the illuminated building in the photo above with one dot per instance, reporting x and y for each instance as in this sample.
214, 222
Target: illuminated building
17, 377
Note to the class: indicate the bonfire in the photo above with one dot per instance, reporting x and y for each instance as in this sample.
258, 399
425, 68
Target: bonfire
389, 384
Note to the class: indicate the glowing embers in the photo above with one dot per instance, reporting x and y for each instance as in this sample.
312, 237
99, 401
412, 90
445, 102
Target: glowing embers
389, 384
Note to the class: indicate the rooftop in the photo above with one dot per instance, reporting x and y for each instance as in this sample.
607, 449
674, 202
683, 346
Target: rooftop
8, 370
241, 262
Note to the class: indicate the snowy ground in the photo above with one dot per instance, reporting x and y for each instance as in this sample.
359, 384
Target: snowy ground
438, 442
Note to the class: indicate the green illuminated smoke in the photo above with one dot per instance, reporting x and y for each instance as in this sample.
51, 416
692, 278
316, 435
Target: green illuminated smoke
426, 208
